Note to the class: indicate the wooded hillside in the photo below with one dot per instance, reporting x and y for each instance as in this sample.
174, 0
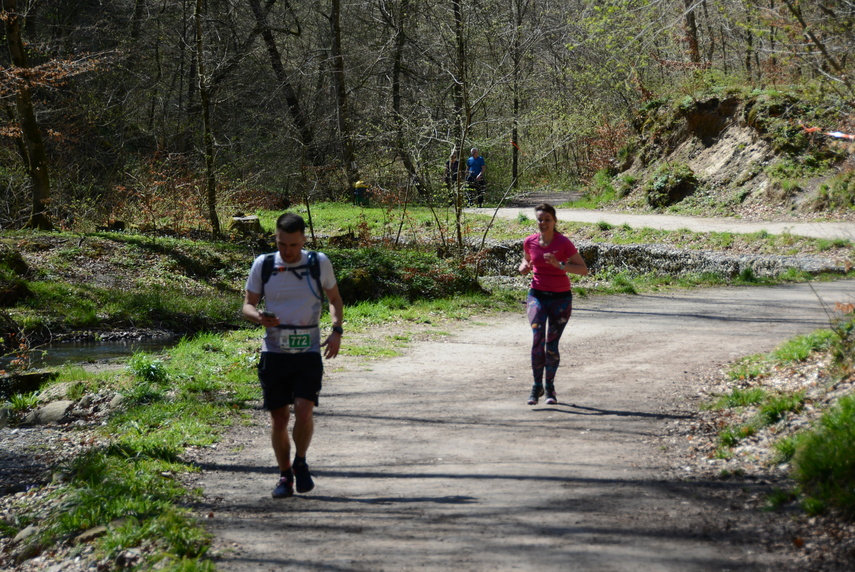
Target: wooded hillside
183, 111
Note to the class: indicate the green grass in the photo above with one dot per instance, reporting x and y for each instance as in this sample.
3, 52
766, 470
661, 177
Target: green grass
824, 461
786, 448
749, 367
739, 397
337, 219
822, 458
801, 347
776, 408
184, 399
193, 285
20, 402
363, 315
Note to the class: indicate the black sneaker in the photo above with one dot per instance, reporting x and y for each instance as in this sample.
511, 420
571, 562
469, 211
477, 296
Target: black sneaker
285, 488
304, 478
536, 392
551, 398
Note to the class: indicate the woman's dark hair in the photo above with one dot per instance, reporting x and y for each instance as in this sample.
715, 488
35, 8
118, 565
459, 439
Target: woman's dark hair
291, 222
547, 208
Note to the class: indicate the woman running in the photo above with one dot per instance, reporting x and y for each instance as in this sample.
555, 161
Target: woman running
550, 256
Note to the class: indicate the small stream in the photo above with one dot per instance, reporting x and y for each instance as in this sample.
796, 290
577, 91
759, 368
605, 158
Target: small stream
70, 353
52, 356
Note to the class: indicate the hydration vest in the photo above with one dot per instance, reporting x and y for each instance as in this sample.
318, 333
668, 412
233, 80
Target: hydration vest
313, 265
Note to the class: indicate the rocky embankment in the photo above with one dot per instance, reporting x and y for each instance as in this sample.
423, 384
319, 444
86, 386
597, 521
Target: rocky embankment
503, 258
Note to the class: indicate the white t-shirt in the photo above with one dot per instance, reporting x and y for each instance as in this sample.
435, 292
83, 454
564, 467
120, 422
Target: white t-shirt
292, 295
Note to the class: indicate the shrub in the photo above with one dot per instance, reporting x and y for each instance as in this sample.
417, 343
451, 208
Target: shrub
669, 184
147, 369
824, 461
12, 269
775, 408
373, 273
838, 193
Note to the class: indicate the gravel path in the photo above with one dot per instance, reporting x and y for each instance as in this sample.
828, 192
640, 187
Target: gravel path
432, 460
813, 229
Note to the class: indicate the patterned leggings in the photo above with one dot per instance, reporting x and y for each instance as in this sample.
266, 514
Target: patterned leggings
548, 316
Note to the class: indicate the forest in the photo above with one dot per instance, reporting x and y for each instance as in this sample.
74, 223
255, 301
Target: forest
180, 113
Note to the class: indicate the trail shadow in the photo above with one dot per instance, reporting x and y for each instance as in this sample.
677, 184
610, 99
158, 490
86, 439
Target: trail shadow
785, 318
569, 408
451, 500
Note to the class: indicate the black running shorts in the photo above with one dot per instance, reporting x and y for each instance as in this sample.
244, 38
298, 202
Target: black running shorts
285, 377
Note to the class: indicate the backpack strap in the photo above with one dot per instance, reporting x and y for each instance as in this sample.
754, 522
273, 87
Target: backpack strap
267, 269
315, 271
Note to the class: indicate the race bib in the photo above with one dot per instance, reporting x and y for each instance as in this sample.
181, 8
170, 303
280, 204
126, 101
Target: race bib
295, 341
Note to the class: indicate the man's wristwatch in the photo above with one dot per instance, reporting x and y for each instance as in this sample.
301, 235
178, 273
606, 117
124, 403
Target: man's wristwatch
338, 329
561, 264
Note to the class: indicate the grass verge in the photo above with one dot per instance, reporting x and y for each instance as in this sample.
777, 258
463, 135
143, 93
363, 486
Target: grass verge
820, 454
126, 488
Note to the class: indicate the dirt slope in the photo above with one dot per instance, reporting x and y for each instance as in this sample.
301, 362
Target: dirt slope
432, 461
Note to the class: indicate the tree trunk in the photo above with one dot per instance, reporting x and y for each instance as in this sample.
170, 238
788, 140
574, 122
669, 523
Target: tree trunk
462, 113
298, 116
36, 156
208, 134
397, 70
692, 32
345, 136
517, 9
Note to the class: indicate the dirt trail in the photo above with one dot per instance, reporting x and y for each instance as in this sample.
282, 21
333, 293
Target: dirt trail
432, 460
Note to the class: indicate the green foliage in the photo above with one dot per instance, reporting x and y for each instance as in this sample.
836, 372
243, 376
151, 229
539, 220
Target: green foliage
374, 273
786, 448
730, 436
625, 184
144, 393
21, 402
669, 184
739, 397
146, 369
13, 269
749, 367
130, 483
601, 187
747, 276
836, 194
801, 347
776, 408
824, 461
843, 343
778, 498
778, 118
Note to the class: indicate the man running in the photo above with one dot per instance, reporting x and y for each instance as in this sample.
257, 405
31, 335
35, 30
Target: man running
290, 368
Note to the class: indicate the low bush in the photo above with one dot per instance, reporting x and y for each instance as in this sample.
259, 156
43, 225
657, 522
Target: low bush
824, 460
670, 183
374, 273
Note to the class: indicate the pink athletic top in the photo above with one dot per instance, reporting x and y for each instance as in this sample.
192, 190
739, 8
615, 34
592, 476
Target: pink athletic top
545, 276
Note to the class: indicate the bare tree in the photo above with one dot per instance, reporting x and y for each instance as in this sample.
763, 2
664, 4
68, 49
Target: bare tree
207, 130
35, 157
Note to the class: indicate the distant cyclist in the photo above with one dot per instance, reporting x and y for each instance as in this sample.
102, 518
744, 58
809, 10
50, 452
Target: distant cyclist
290, 369
549, 256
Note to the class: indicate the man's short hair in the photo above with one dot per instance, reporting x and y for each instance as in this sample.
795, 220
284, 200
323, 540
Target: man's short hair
473, 149
291, 222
